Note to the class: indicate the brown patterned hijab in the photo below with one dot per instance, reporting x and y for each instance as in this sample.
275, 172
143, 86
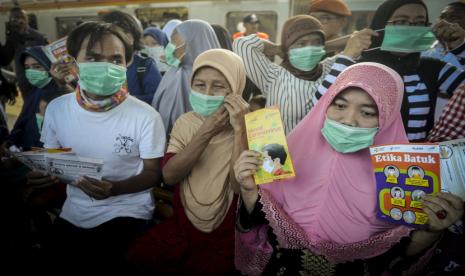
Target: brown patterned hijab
294, 28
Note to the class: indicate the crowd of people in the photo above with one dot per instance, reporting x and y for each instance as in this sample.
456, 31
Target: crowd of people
165, 108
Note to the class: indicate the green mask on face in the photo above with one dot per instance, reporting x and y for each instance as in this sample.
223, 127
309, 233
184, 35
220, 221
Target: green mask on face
346, 139
101, 78
169, 55
306, 58
38, 78
203, 104
40, 121
407, 39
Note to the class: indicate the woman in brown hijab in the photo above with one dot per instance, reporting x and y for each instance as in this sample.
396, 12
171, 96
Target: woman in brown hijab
292, 84
204, 144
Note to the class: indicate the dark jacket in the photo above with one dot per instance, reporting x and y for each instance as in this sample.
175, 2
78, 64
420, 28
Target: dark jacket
20, 43
143, 85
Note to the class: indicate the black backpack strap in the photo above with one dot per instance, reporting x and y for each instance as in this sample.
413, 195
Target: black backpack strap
140, 71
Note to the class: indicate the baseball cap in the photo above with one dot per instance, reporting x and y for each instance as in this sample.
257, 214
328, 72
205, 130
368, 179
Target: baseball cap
251, 18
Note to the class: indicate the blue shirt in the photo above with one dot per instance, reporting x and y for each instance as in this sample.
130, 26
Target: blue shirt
455, 56
152, 78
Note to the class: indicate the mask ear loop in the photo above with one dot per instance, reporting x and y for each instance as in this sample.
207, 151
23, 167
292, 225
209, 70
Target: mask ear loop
184, 44
374, 48
162, 57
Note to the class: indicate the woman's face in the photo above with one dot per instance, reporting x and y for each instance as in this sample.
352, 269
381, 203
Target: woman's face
177, 40
410, 14
307, 40
211, 82
32, 63
354, 107
150, 41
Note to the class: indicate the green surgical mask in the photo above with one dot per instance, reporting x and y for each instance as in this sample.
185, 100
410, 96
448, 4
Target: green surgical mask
346, 139
203, 104
40, 121
38, 78
407, 39
306, 58
101, 78
169, 55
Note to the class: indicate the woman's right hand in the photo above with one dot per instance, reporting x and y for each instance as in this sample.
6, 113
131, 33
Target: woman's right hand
271, 49
37, 180
63, 72
358, 42
245, 167
217, 122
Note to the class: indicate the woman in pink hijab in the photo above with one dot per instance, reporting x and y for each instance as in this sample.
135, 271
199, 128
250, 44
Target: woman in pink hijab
323, 221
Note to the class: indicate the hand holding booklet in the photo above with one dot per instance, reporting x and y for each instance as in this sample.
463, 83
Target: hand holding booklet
404, 175
35, 159
453, 167
265, 134
56, 50
62, 163
69, 168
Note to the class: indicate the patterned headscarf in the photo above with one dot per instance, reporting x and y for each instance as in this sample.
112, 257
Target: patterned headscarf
330, 206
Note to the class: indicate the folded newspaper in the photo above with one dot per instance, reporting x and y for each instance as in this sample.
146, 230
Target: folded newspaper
34, 159
56, 50
65, 165
453, 167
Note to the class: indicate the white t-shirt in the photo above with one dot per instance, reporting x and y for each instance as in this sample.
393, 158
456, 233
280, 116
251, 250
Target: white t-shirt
122, 137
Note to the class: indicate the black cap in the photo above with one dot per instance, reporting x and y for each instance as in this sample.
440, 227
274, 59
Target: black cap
251, 18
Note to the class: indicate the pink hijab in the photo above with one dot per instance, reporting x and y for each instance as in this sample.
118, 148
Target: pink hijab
330, 206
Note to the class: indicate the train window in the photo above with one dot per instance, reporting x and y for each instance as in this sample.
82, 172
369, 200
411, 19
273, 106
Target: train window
300, 7
32, 19
268, 22
157, 17
66, 24
359, 20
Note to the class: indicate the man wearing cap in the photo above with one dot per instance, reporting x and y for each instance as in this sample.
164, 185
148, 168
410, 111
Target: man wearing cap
251, 24
333, 16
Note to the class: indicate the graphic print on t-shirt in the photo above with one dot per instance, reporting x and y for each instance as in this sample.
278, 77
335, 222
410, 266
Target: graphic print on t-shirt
123, 144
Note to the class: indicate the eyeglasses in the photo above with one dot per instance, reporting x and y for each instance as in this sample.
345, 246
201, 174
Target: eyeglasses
404, 22
325, 18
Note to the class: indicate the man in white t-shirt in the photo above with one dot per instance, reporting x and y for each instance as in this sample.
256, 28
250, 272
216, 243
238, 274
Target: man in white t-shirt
101, 120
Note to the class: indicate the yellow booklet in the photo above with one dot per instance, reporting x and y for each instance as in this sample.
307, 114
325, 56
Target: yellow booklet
265, 134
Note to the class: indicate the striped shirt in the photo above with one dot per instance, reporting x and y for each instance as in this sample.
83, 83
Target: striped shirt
419, 102
280, 87
455, 57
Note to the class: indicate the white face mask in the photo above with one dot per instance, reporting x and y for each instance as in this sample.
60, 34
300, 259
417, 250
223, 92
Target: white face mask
156, 53
268, 165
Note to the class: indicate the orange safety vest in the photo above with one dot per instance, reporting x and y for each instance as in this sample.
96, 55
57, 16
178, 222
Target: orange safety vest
259, 34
